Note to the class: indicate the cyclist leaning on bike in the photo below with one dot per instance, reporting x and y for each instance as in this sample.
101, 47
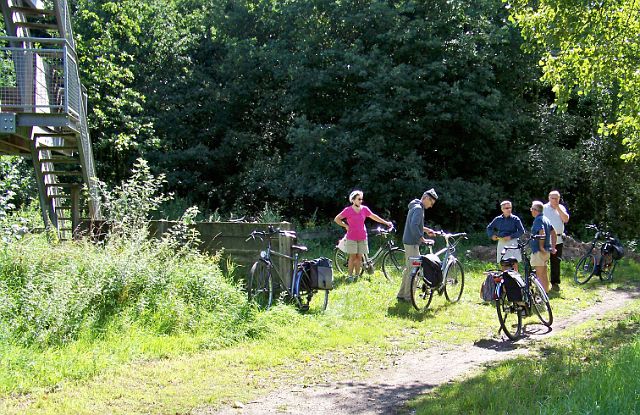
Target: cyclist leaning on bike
413, 236
352, 219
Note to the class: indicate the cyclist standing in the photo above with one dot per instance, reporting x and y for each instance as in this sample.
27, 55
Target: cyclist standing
413, 236
506, 229
541, 248
558, 216
352, 219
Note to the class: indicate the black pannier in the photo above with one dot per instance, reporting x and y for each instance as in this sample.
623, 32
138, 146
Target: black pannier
514, 285
431, 269
615, 248
319, 272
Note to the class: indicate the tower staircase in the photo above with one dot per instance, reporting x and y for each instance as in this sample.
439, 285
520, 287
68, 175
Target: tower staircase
43, 108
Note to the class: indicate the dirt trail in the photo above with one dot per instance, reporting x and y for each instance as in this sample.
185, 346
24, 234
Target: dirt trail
412, 374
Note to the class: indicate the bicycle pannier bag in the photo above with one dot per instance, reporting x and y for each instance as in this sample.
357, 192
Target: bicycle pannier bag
431, 269
514, 285
615, 248
321, 274
488, 289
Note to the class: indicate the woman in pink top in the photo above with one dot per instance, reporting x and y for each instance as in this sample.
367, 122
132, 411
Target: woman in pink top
352, 219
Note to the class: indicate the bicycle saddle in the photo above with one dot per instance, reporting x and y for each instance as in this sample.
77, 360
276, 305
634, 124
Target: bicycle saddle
508, 261
299, 248
430, 242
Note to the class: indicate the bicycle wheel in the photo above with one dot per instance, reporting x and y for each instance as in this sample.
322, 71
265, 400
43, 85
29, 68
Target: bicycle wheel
309, 298
453, 281
509, 316
393, 264
340, 261
585, 269
540, 302
260, 288
608, 266
421, 292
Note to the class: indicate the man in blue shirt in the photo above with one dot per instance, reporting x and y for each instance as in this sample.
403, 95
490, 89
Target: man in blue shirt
506, 229
541, 248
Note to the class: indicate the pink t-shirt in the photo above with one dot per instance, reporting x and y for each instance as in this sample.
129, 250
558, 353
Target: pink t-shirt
355, 220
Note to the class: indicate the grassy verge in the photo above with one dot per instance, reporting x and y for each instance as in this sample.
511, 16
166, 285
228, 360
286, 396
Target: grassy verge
132, 366
589, 369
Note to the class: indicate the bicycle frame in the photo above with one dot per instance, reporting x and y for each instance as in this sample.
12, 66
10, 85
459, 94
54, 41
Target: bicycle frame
528, 271
265, 256
448, 251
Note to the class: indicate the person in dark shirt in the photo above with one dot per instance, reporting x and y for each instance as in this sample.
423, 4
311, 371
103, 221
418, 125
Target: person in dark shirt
506, 229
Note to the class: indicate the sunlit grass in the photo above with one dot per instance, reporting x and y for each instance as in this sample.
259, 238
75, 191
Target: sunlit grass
589, 369
130, 370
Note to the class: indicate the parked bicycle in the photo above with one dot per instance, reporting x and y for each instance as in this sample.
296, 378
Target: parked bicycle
390, 255
267, 281
447, 274
530, 298
610, 251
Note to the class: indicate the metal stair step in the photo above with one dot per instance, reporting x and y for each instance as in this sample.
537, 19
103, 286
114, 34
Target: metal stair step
61, 160
37, 26
32, 11
54, 135
57, 148
62, 173
62, 184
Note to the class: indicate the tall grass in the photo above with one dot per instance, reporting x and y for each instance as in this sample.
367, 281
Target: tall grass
52, 296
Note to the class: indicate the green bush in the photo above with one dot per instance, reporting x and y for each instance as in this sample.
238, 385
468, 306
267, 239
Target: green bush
51, 294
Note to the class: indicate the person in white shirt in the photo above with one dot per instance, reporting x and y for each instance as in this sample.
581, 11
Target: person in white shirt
558, 216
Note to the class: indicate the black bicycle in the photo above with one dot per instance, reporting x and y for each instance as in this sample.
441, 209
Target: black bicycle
262, 288
602, 265
534, 297
391, 256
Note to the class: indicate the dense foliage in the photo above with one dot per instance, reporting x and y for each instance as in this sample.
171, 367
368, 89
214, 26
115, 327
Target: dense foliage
244, 104
590, 48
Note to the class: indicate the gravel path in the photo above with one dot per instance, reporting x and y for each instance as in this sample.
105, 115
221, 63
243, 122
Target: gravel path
412, 374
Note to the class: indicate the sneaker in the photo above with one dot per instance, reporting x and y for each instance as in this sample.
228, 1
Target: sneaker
555, 287
351, 278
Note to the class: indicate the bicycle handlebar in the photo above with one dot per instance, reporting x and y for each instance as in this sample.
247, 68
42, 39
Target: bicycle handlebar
446, 235
384, 231
270, 232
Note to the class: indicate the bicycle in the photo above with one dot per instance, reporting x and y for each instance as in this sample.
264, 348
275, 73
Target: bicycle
452, 283
604, 265
534, 297
261, 287
392, 257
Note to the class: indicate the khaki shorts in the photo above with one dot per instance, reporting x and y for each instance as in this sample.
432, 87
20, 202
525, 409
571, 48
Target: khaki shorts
539, 259
356, 247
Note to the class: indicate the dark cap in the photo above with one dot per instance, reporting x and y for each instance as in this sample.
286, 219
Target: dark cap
431, 193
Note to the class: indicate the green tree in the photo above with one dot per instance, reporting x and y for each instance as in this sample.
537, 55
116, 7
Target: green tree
589, 48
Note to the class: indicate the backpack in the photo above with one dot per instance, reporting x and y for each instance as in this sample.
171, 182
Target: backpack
431, 269
488, 289
514, 285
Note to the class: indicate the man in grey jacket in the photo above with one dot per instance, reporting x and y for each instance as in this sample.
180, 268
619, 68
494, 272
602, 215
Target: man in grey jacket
413, 236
